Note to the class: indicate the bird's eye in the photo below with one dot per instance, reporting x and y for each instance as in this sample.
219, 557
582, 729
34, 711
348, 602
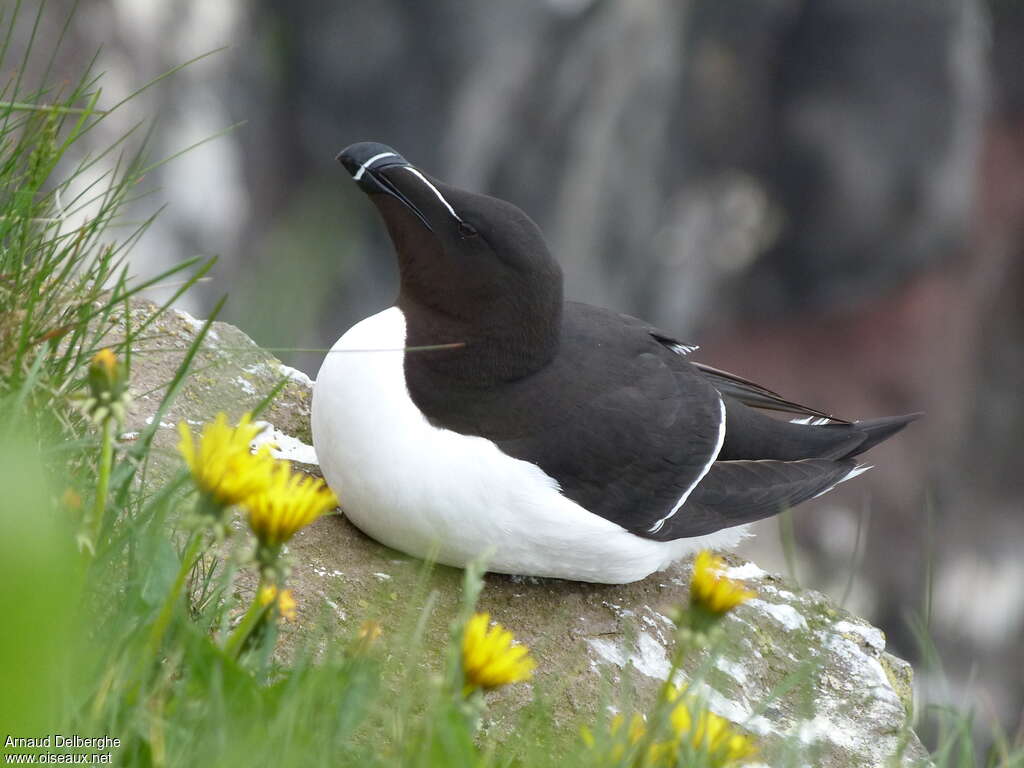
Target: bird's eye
466, 230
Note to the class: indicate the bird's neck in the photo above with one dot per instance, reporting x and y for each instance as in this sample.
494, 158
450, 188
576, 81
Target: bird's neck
505, 344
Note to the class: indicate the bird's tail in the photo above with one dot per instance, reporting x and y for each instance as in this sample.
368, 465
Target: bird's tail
754, 436
877, 430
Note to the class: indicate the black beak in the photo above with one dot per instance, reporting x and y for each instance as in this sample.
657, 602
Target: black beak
366, 160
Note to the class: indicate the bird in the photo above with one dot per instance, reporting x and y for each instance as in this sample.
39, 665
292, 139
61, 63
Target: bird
485, 417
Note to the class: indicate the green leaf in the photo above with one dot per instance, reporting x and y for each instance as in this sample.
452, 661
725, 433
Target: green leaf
163, 564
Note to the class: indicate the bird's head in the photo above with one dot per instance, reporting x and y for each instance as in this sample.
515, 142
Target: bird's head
472, 257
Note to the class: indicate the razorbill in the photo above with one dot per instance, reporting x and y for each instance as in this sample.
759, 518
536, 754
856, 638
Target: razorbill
553, 438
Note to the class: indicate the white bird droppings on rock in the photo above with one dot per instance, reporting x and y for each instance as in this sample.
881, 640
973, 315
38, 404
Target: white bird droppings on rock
338, 610
871, 635
747, 571
786, 615
650, 657
296, 375
284, 446
733, 669
609, 650
821, 728
196, 324
734, 711
871, 673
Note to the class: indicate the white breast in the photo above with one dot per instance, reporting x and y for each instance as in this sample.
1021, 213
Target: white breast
437, 494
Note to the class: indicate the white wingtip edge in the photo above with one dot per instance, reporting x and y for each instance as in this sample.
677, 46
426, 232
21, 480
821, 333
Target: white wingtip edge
860, 469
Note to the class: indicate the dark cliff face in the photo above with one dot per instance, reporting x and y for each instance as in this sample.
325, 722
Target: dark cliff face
844, 154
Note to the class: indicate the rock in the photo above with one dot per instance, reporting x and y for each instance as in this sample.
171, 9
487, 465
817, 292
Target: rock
844, 697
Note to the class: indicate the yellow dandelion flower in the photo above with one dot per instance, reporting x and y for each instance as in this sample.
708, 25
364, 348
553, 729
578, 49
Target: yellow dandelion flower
370, 631
587, 736
739, 747
291, 500
71, 499
636, 731
489, 659
267, 594
286, 604
222, 465
680, 719
663, 753
637, 727
708, 733
656, 755
106, 361
713, 591
717, 737
284, 599
107, 398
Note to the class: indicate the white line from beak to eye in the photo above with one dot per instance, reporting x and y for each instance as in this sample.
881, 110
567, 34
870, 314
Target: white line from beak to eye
433, 189
362, 168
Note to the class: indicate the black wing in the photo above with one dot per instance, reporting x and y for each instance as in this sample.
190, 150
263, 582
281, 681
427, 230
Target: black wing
630, 429
757, 396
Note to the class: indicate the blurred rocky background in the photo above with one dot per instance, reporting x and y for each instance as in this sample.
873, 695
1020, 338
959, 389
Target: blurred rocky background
828, 195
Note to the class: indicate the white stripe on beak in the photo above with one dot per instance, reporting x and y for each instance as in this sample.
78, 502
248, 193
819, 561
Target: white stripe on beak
362, 168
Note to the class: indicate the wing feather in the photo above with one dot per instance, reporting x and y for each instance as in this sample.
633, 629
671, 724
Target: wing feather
757, 396
738, 492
